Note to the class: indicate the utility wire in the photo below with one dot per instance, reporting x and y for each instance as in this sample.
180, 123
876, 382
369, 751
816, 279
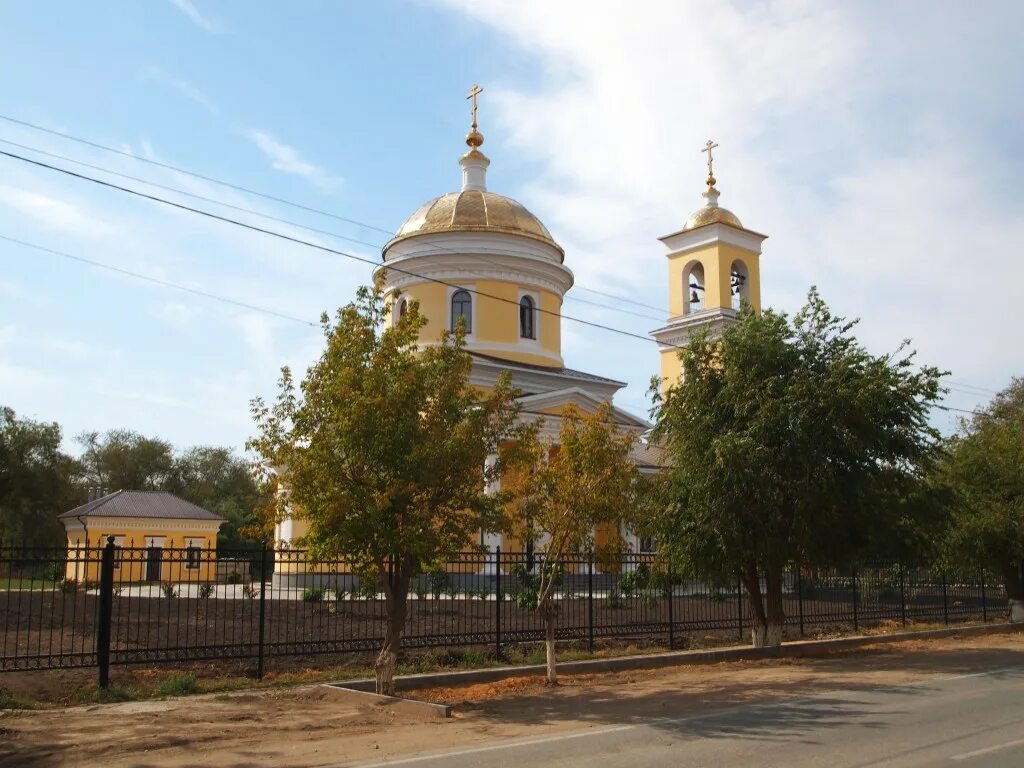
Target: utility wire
257, 193
317, 246
158, 281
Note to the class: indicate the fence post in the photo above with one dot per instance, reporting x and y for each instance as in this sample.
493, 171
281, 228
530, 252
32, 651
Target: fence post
903, 594
739, 604
497, 602
106, 610
590, 601
984, 606
263, 609
800, 597
945, 602
671, 599
856, 624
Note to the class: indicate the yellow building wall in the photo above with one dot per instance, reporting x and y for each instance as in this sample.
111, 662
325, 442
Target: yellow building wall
131, 562
717, 260
495, 319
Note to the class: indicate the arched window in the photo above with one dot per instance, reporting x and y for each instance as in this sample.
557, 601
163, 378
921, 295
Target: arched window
403, 307
462, 306
693, 285
527, 318
738, 284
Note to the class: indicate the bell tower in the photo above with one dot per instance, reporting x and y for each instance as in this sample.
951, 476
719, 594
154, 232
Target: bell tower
713, 269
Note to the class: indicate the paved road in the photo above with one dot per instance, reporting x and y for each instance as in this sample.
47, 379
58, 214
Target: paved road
961, 721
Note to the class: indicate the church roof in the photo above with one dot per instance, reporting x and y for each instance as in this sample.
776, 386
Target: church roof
474, 210
149, 504
554, 370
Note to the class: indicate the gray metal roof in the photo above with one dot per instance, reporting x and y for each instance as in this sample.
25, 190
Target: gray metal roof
569, 372
153, 504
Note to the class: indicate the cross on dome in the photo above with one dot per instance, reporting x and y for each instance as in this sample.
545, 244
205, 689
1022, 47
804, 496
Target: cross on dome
711, 174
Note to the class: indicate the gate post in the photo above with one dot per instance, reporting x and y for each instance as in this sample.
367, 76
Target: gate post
739, 604
945, 602
856, 625
903, 594
263, 610
590, 601
105, 612
984, 606
671, 592
497, 602
800, 597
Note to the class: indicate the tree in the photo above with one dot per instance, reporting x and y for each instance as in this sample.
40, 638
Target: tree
122, 459
383, 450
563, 492
36, 481
218, 480
985, 468
789, 443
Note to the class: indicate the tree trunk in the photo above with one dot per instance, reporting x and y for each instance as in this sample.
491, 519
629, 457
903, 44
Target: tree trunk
548, 614
776, 616
1013, 582
758, 620
396, 591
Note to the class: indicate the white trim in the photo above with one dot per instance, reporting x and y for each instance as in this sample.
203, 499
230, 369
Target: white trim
683, 242
585, 401
485, 373
149, 524
677, 332
435, 244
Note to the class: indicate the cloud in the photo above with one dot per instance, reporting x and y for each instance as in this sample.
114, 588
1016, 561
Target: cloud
287, 160
183, 87
54, 213
196, 17
863, 145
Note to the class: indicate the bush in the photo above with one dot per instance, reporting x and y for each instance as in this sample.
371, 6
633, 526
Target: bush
438, 580
69, 586
339, 593
179, 685
9, 702
614, 599
419, 588
89, 585
312, 594
205, 590
169, 590
249, 591
235, 577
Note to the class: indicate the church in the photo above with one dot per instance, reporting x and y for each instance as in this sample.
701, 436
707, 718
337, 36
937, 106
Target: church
482, 258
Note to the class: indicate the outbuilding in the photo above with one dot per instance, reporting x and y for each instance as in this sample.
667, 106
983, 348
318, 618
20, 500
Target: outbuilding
158, 537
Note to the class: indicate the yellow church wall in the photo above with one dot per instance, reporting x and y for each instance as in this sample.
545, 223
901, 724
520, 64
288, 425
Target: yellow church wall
495, 319
717, 260
133, 537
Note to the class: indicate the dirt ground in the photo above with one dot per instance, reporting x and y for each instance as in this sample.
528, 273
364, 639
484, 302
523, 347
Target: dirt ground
317, 726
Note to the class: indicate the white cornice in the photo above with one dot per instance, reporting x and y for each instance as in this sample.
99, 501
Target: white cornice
586, 401
677, 332
534, 381
521, 269
692, 239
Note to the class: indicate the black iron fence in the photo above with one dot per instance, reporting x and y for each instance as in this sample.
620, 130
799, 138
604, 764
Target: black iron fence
109, 604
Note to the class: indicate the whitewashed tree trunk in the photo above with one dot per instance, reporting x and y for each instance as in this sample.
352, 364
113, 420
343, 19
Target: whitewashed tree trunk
1016, 611
549, 648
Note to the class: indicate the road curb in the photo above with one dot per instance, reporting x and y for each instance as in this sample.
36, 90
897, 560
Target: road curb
420, 707
675, 658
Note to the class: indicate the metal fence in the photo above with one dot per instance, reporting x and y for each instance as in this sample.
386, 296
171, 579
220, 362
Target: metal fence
107, 604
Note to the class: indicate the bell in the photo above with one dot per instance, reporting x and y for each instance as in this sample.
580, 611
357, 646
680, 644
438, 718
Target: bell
694, 298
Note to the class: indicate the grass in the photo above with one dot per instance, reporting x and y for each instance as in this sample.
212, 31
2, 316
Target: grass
14, 583
179, 685
9, 702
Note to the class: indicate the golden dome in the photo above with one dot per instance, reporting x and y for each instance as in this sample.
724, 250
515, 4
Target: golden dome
712, 214
474, 210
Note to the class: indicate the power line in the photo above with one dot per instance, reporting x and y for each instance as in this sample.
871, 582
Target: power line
317, 246
299, 225
158, 281
257, 193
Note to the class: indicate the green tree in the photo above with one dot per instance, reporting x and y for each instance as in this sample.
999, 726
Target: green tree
121, 459
383, 450
789, 443
218, 480
36, 481
563, 491
985, 468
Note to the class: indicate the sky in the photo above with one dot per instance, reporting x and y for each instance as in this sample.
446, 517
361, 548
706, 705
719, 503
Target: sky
878, 145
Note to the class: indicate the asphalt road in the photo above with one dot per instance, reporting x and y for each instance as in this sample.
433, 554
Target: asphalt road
965, 720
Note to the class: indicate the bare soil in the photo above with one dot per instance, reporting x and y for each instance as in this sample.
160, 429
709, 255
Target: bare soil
319, 726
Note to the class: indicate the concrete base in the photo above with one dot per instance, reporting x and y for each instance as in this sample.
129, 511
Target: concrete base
420, 708
1017, 611
675, 658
